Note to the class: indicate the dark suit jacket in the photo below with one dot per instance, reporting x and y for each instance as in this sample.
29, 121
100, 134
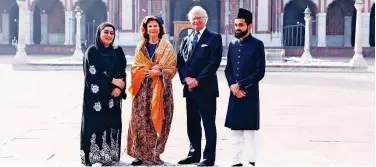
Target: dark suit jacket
202, 63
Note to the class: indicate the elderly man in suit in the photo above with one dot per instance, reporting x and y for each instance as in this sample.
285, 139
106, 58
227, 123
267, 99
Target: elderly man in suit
244, 70
198, 60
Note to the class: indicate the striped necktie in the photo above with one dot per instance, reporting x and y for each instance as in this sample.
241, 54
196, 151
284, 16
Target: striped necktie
195, 39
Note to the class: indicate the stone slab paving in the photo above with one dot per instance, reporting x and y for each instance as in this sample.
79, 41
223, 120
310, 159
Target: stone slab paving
294, 64
307, 119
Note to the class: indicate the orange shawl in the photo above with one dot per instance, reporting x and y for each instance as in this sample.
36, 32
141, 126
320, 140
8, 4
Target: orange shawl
165, 56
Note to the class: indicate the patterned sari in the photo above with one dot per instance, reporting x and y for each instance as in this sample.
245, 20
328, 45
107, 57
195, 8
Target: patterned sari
152, 108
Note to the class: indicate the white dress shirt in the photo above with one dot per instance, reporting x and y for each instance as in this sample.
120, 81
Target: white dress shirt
199, 35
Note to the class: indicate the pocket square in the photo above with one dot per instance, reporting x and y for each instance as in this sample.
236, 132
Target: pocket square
204, 45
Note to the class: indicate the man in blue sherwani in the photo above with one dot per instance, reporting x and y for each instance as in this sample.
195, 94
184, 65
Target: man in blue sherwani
244, 70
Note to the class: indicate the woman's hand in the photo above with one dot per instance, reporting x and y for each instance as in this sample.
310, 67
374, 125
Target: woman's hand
157, 67
118, 82
152, 73
116, 92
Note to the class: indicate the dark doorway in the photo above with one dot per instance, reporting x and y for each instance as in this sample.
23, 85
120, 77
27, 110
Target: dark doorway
353, 27
13, 23
37, 28
293, 21
95, 15
372, 27
180, 8
336, 20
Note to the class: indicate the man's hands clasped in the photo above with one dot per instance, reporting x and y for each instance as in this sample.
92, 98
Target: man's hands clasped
191, 82
236, 91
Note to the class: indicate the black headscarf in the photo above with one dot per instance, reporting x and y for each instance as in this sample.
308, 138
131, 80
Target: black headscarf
98, 43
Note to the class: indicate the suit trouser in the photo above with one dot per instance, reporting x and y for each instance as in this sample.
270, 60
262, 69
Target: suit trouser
244, 140
205, 109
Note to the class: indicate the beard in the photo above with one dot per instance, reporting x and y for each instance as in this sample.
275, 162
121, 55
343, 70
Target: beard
241, 33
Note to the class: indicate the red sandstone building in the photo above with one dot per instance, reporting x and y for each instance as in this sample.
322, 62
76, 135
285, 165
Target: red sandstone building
278, 23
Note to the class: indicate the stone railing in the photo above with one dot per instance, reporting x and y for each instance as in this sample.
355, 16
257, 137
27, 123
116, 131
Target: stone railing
272, 55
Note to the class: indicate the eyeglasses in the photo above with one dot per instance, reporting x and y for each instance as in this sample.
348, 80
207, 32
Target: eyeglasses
197, 18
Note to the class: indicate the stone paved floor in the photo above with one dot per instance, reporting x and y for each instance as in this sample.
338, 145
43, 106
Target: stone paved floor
307, 119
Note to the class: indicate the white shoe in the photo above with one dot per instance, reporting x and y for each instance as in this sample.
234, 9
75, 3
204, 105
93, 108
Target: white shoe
97, 165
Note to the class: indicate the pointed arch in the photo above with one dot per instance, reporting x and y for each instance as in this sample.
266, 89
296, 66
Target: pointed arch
340, 23
95, 14
180, 8
294, 35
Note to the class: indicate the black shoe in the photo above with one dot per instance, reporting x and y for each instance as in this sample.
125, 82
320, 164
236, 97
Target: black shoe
189, 160
136, 162
238, 164
252, 163
206, 163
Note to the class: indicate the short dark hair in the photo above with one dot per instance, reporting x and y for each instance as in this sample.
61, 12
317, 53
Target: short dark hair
144, 27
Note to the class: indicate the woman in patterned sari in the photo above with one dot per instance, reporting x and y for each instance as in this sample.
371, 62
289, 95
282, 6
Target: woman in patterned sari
101, 126
152, 109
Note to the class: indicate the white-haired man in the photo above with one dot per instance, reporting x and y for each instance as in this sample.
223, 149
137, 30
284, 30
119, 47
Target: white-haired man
198, 60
